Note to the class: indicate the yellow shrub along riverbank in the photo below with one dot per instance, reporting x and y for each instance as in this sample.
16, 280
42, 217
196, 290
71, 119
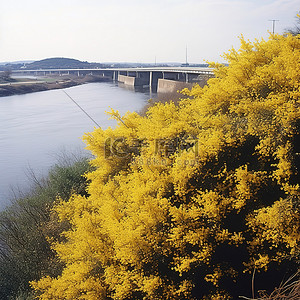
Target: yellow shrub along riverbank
188, 200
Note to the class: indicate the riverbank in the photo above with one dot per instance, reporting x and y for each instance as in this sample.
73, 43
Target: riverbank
46, 83
35, 126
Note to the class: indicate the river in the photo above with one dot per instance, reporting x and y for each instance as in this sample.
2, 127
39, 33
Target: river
38, 128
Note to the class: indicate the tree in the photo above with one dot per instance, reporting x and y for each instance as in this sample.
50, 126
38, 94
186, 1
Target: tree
187, 201
296, 29
5, 76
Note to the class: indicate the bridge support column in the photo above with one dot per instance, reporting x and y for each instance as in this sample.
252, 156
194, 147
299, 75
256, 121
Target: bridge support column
78, 74
186, 77
150, 80
115, 75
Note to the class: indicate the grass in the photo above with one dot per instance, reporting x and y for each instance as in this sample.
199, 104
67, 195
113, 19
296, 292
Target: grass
25, 252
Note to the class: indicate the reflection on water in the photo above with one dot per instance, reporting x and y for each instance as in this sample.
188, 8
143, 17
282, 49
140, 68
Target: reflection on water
35, 127
139, 89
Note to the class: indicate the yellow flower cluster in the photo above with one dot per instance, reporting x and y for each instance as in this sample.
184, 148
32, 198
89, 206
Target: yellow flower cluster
190, 193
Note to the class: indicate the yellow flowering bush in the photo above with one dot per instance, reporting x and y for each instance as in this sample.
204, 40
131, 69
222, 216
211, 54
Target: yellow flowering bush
185, 202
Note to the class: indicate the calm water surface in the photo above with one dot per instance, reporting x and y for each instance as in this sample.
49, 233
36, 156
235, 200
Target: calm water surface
37, 127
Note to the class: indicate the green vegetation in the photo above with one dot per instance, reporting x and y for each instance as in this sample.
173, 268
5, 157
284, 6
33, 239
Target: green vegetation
26, 227
61, 63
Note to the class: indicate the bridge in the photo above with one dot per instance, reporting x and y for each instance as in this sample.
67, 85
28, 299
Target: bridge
152, 77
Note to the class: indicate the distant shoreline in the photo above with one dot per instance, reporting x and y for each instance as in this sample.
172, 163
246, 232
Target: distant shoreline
15, 88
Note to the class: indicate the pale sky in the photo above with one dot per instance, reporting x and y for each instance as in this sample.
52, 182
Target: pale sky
136, 30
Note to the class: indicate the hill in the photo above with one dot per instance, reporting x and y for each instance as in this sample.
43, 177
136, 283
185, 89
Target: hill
61, 63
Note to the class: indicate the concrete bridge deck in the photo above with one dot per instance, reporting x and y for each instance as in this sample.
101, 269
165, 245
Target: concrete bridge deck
195, 70
132, 76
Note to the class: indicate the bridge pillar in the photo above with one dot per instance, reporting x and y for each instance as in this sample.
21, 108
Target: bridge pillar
78, 74
114, 75
150, 80
186, 77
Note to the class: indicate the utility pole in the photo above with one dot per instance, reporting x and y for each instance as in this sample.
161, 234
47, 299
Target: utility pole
273, 26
